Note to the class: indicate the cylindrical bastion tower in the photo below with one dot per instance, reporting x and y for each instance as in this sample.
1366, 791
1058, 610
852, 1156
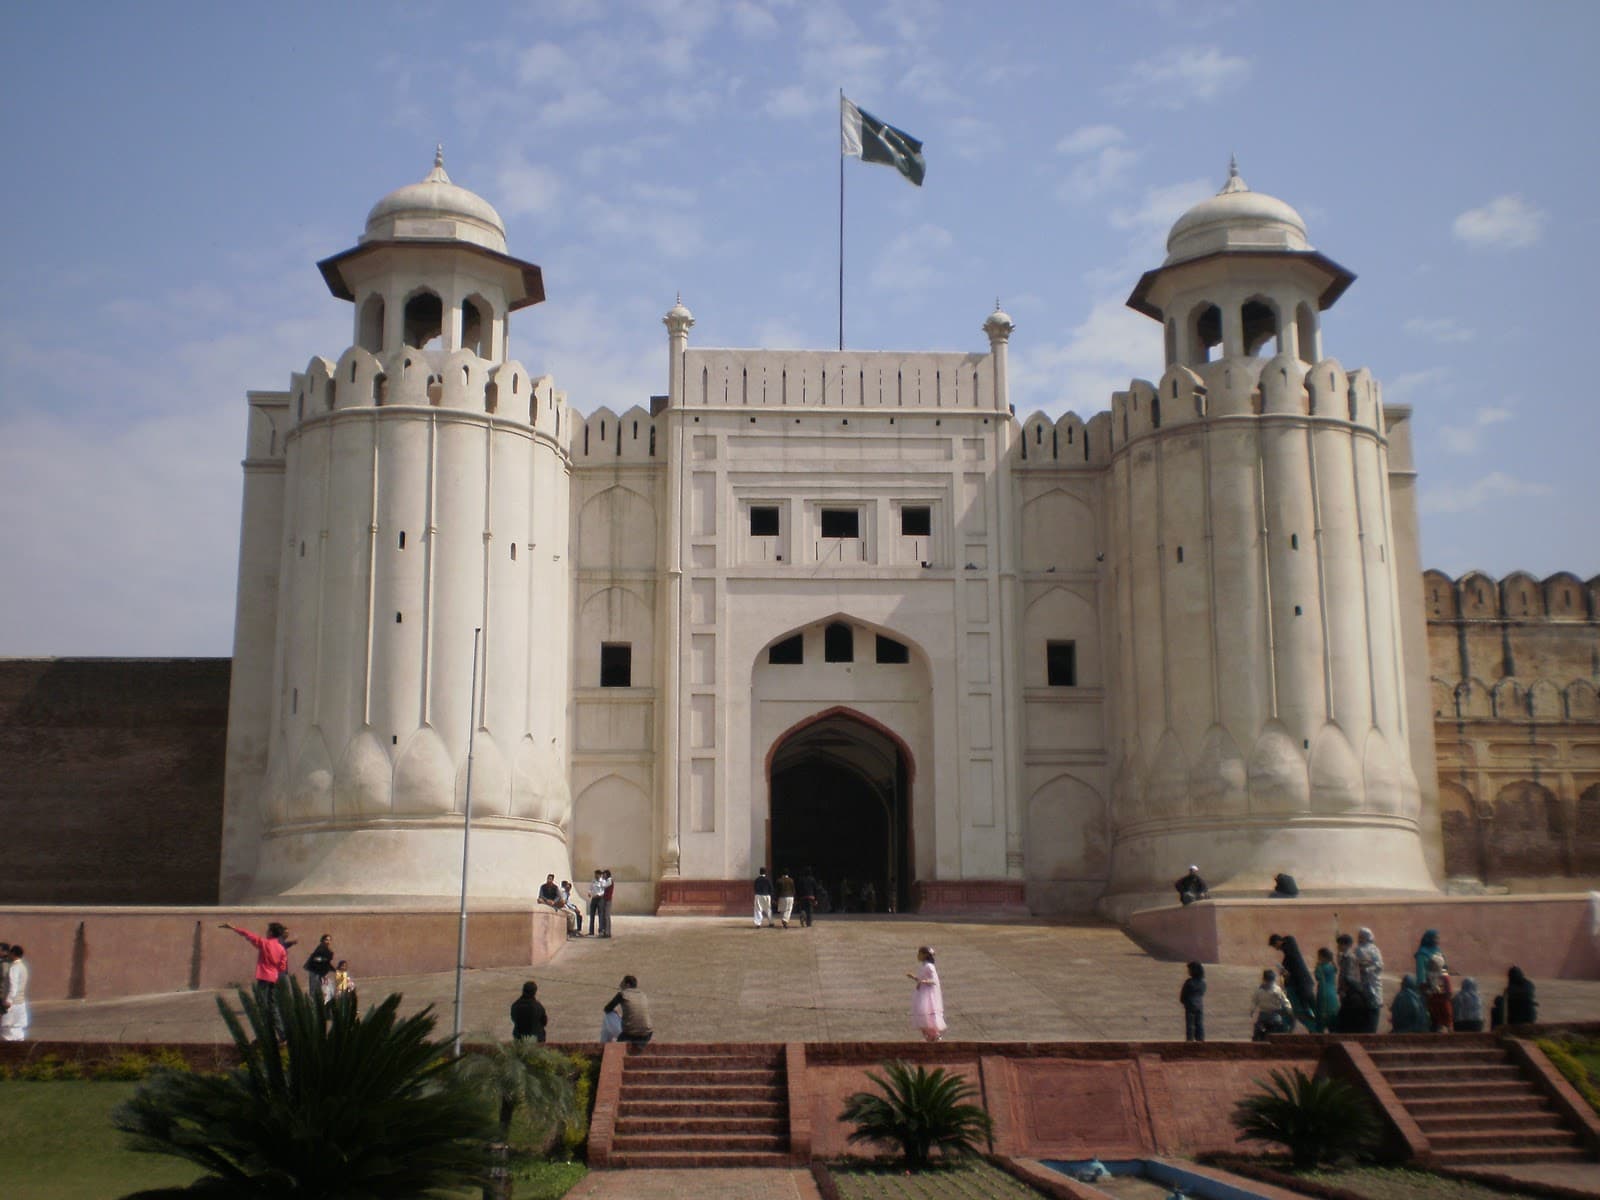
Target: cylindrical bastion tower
1262, 724
425, 486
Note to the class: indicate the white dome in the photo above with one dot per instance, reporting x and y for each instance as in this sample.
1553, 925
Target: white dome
435, 208
1236, 219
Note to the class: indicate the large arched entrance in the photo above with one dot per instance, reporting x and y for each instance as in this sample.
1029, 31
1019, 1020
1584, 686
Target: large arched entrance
841, 805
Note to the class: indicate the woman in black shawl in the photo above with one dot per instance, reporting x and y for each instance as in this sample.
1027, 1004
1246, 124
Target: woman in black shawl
1301, 987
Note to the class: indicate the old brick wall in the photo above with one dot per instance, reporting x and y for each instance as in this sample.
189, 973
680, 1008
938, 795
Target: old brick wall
1516, 705
111, 779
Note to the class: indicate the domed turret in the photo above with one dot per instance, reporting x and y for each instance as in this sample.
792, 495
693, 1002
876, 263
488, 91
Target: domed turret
1236, 219
435, 208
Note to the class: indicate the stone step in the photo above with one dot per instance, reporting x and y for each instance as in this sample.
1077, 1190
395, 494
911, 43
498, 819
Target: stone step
696, 1094
689, 1125
639, 1160
1444, 1074
1496, 1120
1522, 1102
1490, 1092
1514, 1140
756, 1110
704, 1062
1468, 1158
720, 1143
705, 1049
668, 1077
1444, 1056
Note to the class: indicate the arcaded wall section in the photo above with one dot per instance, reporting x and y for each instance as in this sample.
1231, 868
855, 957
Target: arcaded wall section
111, 779
1515, 667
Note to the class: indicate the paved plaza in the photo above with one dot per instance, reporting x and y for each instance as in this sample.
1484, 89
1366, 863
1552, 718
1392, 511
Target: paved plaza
718, 979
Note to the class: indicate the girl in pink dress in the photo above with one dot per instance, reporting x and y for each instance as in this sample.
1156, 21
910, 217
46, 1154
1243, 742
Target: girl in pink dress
927, 998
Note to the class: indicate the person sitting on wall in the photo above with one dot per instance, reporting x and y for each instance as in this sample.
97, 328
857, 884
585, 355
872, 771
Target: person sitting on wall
528, 1018
1191, 887
1517, 1004
550, 897
570, 907
1283, 888
1270, 1008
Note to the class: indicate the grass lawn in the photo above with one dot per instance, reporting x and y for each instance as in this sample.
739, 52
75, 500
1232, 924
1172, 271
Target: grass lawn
974, 1181
57, 1143
1397, 1183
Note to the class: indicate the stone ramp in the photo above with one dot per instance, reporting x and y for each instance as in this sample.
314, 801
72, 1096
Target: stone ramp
1476, 1103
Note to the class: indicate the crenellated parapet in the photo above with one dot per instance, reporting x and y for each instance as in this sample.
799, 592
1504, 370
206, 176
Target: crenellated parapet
826, 379
604, 439
1519, 596
1066, 441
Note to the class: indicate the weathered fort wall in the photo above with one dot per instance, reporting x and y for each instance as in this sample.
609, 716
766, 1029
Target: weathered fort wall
111, 779
1515, 664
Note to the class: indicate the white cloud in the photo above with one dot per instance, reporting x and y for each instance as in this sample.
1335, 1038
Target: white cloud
1181, 76
1088, 138
1505, 223
1438, 329
832, 53
1163, 205
526, 189
1466, 438
1403, 388
752, 20
971, 138
1103, 161
1112, 345
1497, 485
910, 262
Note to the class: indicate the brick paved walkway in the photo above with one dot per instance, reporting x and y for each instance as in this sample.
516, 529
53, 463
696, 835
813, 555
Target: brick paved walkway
718, 979
701, 1185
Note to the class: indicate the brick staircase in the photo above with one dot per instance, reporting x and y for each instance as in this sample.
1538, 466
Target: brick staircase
703, 1106
1474, 1103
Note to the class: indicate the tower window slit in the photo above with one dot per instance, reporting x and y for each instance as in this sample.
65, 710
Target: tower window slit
1180, 554
402, 539
1294, 541
513, 552
397, 619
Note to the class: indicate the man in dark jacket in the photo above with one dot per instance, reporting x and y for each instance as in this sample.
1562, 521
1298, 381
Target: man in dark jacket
528, 1018
808, 895
1191, 887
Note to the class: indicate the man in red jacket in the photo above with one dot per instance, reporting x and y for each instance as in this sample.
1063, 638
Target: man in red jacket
272, 960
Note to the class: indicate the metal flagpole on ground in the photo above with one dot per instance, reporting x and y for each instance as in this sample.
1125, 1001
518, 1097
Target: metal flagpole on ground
841, 218
466, 842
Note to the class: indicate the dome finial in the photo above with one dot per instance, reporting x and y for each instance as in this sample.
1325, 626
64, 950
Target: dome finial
437, 175
1234, 184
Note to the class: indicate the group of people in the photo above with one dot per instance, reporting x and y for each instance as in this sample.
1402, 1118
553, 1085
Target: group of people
1344, 993
776, 899
13, 993
327, 976
562, 897
625, 1018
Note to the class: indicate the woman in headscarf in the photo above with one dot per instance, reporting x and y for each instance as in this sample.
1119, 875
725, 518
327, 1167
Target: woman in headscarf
1468, 1008
1301, 987
1327, 1012
1370, 959
1433, 979
1517, 1004
1426, 949
1409, 1013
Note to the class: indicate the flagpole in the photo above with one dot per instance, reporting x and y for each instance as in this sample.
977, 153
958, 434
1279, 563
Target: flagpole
841, 218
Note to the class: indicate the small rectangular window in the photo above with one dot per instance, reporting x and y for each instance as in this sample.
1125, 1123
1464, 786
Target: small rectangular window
616, 664
788, 653
841, 523
838, 643
1061, 664
916, 521
891, 651
764, 520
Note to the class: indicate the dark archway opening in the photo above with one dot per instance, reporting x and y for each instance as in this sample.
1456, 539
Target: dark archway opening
841, 805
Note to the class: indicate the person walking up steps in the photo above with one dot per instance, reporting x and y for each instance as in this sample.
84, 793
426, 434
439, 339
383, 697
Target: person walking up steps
763, 887
808, 895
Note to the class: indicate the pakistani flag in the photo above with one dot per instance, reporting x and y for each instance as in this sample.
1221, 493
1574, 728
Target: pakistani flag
865, 137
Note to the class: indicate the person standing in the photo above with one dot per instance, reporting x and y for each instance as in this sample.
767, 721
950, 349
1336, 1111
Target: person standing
344, 983
14, 999
1327, 1007
597, 904
869, 897
319, 966
927, 997
1352, 1000
763, 891
784, 897
528, 1018
1517, 1005
1371, 960
808, 895
1193, 999
272, 960
1270, 1009
611, 896
1302, 989
636, 1027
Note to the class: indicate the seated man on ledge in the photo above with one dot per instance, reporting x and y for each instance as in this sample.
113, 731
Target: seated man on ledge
1191, 887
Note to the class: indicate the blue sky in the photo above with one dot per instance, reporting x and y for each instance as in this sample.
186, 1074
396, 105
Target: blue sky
176, 170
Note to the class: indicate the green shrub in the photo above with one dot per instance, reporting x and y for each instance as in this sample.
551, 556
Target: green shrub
349, 1104
920, 1111
1315, 1119
1564, 1054
524, 1074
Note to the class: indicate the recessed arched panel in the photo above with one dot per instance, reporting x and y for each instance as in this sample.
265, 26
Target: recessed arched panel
1529, 833
1058, 615
611, 827
617, 528
1067, 836
1057, 530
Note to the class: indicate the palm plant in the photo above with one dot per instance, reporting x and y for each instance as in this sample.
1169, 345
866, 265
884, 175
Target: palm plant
1315, 1119
523, 1073
349, 1104
920, 1111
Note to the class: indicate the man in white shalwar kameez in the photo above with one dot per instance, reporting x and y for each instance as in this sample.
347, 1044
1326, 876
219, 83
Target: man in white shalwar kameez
14, 1021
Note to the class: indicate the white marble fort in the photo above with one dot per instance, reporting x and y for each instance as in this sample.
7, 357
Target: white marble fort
827, 608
